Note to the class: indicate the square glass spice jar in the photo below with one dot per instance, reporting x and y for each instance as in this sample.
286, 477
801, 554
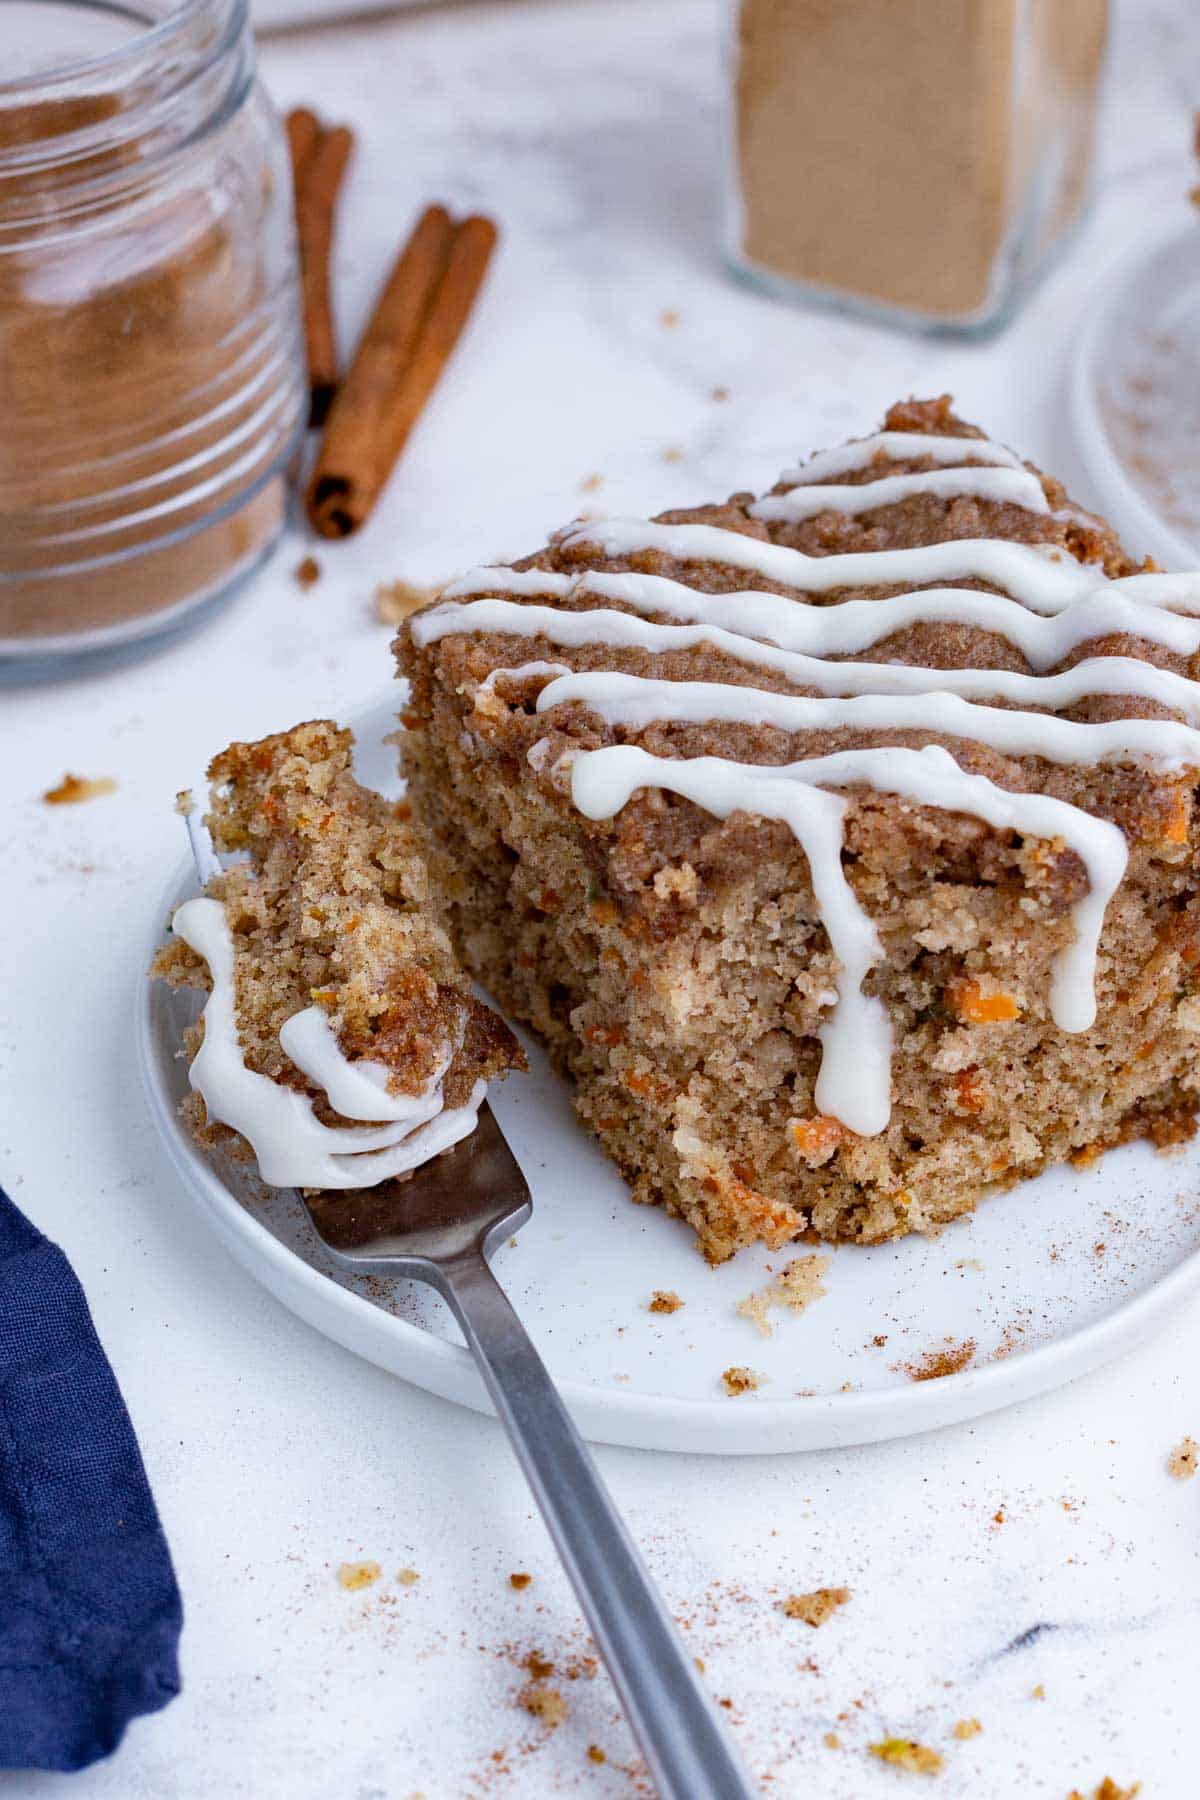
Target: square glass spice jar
152, 381
916, 160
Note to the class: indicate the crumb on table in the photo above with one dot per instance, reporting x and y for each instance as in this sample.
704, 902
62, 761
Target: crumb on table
596, 1754
665, 1300
394, 600
307, 572
832, 1741
355, 1575
903, 1753
967, 1728
74, 788
1183, 1460
408, 1577
669, 317
519, 1580
816, 1607
1108, 1790
545, 1703
739, 1380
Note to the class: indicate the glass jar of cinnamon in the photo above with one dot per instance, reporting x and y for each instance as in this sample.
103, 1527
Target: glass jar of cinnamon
919, 160
151, 363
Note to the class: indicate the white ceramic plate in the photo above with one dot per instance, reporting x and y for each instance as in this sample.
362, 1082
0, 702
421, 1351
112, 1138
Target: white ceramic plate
1049, 1281
1135, 398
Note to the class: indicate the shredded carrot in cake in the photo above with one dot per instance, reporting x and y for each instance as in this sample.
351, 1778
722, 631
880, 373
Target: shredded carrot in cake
975, 1007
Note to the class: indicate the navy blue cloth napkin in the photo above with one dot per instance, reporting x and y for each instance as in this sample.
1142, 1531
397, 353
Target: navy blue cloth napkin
89, 1611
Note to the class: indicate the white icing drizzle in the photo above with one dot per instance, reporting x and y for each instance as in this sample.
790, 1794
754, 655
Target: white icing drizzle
1136, 605
291, 1146
507, 581
1016, 487
1041, 577
636, 702
1114, 675
854, 1080
899, 446
1048, 606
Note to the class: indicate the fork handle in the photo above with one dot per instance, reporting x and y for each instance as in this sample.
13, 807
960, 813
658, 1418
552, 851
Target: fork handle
676, 1726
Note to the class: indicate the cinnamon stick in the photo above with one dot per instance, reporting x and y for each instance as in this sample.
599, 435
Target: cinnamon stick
319, 160
303, 130
417, 322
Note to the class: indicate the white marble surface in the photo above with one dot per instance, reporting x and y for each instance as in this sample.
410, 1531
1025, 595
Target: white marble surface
1044, 1546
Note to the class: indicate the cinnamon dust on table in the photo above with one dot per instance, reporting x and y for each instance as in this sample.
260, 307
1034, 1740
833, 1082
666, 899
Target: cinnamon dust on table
417, 322
320, 156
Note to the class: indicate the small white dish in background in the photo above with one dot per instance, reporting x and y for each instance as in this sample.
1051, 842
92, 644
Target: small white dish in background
1135, 399
1046, 1282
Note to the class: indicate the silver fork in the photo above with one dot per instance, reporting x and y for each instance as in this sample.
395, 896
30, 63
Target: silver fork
440, 1226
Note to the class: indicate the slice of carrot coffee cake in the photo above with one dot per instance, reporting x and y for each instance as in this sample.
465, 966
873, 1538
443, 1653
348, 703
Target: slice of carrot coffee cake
839, 843
340, 1043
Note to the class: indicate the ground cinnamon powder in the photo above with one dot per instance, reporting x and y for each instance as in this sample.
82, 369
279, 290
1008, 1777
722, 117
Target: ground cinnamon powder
889, 151
126, 486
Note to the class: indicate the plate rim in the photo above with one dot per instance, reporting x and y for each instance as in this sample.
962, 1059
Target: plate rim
1135, 516
607, 1415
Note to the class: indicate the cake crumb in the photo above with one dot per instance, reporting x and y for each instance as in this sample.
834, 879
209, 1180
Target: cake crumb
816, 1607
545, 1703
591, 483
1182, 1462
945, 1361
903, 1753
520, 1581
669, 318
719, 393
665, 1300
74, 788
967, 1728
1108, 1790
538, 1667
185, 803
355, 1575
673, 454
832, 1741
740, 1380
798, 1286
307, 573
596, 1754
408, 1577
1037, 1693
394, 600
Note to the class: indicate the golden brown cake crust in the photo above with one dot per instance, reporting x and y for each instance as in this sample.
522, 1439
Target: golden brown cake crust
675, 962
